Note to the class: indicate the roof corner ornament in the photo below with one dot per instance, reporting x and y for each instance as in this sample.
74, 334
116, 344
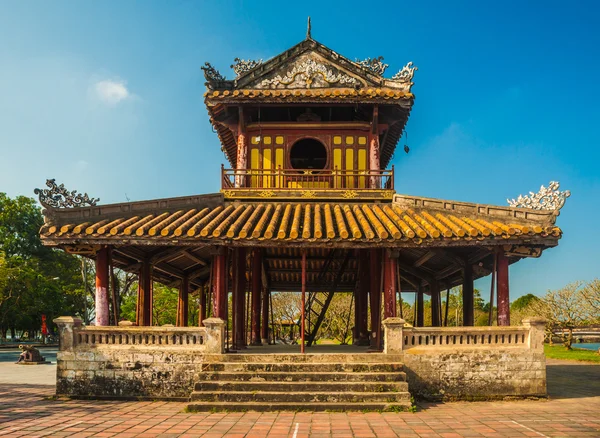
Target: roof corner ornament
308, 29
548, 198
242, 66
57, 196
211, 74
376, 65
406, 74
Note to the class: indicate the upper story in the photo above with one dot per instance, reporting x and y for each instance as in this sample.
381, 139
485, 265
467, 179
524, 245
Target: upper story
309, 123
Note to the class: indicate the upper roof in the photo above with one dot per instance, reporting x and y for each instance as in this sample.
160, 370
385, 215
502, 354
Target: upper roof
311, 74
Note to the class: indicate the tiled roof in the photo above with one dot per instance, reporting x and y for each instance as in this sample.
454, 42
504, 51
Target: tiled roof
309, 222
325, 94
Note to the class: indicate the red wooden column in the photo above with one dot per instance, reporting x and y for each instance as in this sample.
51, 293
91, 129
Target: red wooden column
434, 289
264, 327
362, 299
144, 307
375, 297
420, 303
102, 286
467, 295
502, 287
374, 156
182, 303
202, 310
239, 297
219, 287
256, 292
389, 285
303, 325
242, 151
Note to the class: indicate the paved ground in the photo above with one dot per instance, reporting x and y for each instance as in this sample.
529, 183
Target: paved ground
572, 410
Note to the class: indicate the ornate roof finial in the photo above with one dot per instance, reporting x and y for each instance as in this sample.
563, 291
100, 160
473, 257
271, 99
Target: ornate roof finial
59, 197
406, 74
376, 65
242, 66
308, 28
548, 198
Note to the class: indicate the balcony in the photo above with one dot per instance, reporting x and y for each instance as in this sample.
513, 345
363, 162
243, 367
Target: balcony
307, 184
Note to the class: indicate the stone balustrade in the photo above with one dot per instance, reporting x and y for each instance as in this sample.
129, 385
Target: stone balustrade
76, 337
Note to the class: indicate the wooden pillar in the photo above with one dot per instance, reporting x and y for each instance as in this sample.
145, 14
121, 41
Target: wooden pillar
375, 297
144, 317
256, 292
219, 288
502, 288
468, 296
363, 315
239, 297
434, 289
102, 314
264, 327
420, 303
242, 151
202, 310
389, 285
183, 303
302, 322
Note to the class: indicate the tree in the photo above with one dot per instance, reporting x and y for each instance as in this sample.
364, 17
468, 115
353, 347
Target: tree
591, 296
564, 309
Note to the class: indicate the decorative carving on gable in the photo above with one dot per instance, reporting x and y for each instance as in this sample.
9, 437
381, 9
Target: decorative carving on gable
406, 74
309, 73
376, 65
58, 196
242, 66
548, 198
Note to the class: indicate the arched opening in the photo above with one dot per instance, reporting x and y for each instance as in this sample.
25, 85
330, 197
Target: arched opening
308, 153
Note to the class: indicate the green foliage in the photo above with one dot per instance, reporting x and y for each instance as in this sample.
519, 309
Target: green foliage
523, 302
34, 280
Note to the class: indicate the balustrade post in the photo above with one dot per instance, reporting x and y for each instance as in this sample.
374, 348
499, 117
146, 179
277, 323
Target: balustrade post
393, 336
215, 335
536, 327
66, 331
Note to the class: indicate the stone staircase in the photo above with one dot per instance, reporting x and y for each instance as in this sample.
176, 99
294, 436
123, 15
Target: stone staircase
324, 382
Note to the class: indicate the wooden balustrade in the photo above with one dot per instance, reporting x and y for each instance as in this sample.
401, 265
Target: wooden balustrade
325, 179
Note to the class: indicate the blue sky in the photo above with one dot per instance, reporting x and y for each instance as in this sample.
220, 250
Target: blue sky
107, 98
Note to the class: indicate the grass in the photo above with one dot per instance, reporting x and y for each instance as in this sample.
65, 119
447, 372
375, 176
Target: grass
560, 352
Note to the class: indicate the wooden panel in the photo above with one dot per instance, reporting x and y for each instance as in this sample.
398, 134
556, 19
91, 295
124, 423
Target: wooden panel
279, 164
362, 166
350, 166
254, 164
267, 164
337, 165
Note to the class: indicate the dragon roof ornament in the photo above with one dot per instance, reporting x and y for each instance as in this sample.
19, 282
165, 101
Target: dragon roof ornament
58, 196
242, 66
211, 74
376, 65
548, 198
406, 74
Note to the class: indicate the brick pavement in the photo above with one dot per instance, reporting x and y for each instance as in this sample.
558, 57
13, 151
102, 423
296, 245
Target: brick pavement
572, 410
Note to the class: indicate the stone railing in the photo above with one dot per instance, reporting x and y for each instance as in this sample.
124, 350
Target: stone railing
76, 337
399, 338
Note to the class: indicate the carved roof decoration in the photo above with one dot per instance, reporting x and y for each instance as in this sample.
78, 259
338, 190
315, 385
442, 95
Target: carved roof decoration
376, 65
548, 198
242, 66
57, 196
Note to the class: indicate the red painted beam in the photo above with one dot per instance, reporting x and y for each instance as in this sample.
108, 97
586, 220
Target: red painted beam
389, 285
256, 295
102, 286
503, 292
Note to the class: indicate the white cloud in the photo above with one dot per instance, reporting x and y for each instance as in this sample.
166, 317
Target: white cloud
111, 92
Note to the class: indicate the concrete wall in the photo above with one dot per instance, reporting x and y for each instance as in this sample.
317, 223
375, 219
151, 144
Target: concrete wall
471, 363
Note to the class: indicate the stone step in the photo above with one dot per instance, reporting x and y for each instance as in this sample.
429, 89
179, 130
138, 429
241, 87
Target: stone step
397, 376
313, 387
304, 367
310, 358
300, 397
294, 406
